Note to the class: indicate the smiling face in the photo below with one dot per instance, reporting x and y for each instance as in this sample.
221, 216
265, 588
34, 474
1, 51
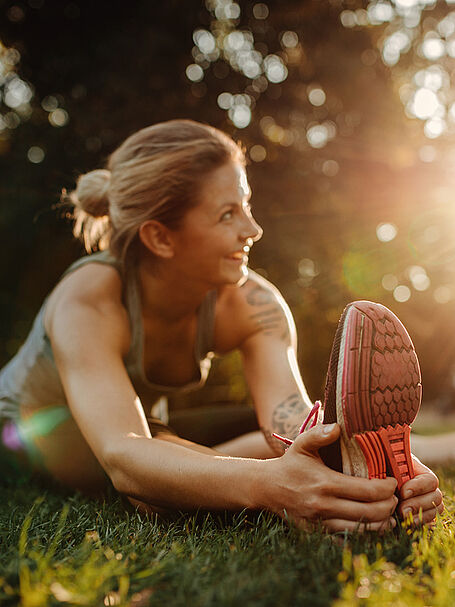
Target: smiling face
215, 237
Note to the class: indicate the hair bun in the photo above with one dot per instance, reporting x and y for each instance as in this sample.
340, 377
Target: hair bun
91, 192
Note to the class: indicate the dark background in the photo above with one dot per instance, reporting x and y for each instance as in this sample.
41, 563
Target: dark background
115, 67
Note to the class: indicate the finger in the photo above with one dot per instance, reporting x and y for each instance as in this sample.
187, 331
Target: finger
419, 485
339, 525
358, 511
362, 489
312, 440
424, 502
422, 518
419, 467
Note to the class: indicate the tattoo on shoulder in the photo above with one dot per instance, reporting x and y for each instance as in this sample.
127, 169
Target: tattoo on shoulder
258, 296
270, 318
288, 416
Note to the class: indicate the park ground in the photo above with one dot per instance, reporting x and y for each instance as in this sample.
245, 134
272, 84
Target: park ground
57, 548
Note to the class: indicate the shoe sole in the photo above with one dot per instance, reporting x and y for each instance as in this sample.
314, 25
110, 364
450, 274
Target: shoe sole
374, 379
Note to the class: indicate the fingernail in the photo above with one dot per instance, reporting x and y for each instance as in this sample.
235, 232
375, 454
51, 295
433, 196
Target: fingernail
396, 500
393, 522
328, 428
408, 493
407, 512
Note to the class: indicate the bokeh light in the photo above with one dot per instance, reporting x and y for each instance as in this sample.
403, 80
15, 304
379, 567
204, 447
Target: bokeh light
289, 39
194, 72
16, 93
35, 154
425, 104
316, 96
427, 153
307, 271
434, 127
330, 168
240, 115
317, 135
401, 293
386, 232
58, 117
274, 68
49, 103
225, 100
419, 278
260, 10
258, 153
205, 41
442, 294
433, 48
389, 282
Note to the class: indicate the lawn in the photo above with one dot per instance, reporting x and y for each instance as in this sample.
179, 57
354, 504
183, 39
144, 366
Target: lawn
57, 548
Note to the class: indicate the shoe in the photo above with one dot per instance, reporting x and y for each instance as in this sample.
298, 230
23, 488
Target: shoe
373, 390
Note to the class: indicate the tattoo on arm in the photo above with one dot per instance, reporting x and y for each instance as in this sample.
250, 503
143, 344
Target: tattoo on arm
270, 318
287, 419
288, 416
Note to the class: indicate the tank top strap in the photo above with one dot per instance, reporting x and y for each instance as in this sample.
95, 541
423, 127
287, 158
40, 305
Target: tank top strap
104, 257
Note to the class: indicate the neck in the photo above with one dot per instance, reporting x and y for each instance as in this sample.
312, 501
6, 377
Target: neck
166, 294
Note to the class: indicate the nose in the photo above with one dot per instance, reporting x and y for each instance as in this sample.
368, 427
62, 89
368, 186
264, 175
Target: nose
251, 231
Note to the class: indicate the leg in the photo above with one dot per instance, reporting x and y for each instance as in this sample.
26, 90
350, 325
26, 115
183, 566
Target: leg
52, 444
213, 424
230, 429
437, 449
252, 445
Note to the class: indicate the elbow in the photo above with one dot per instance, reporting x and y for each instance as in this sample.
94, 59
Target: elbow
115, 464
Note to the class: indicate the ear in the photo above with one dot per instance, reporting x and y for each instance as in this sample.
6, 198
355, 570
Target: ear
157, 238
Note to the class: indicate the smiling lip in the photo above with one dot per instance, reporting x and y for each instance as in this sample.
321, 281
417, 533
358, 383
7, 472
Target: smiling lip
240, 255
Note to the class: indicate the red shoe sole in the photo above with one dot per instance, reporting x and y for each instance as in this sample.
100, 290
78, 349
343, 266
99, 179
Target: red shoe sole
378, 391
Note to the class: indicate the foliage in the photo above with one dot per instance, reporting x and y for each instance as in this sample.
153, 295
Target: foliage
328, 116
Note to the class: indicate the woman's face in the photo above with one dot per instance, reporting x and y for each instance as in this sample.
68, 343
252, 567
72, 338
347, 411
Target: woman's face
215, 237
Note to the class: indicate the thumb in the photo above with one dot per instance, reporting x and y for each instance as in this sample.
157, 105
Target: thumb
319, 436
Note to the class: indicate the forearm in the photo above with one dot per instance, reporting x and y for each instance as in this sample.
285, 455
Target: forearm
285, 418
172, 476
177, 440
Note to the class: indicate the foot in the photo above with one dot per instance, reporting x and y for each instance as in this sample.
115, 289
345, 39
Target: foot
373, 391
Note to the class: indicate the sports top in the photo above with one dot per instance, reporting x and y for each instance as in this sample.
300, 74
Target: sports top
31, 378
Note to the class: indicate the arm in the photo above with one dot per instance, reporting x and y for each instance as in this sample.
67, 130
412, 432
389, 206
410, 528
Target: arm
281, 403
269, 353
89, 332
90, 337
281, 400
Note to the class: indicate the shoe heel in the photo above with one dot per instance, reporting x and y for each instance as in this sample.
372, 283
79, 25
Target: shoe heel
388, 445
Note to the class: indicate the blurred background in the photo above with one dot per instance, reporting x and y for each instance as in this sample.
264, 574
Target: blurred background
346, 109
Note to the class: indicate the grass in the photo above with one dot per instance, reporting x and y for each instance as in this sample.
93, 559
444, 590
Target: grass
65, 549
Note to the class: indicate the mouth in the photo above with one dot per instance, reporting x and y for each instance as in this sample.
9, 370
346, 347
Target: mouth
240, 256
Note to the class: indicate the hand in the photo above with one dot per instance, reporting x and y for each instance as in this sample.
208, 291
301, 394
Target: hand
304, 489
421, 493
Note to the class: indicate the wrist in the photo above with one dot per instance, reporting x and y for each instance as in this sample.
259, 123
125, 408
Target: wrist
259, 484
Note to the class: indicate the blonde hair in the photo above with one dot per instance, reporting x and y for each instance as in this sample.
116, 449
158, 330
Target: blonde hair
155, 174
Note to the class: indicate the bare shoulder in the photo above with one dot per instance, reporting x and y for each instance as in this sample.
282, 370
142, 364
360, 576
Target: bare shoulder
88, 300
255, 307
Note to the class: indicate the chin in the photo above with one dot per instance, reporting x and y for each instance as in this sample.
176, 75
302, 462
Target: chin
239, 277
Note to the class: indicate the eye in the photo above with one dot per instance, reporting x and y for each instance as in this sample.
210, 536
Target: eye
226, 216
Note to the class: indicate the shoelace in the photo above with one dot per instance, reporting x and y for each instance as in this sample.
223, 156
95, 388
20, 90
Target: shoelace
311, 417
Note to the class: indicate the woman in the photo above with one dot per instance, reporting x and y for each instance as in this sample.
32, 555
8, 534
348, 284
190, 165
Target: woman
141, 319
